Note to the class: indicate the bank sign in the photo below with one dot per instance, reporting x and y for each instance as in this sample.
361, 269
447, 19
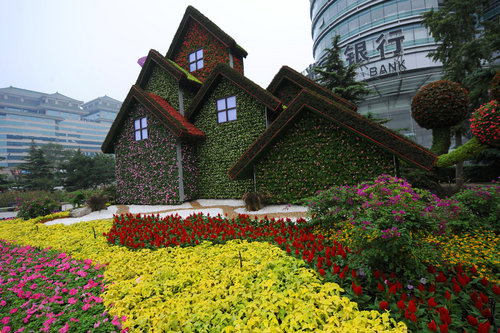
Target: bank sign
382, 63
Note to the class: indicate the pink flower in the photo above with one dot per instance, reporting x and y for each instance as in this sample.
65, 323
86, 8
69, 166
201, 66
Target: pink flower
5, 320
12, 311
72, 300
64, 329
73, 291
6, 329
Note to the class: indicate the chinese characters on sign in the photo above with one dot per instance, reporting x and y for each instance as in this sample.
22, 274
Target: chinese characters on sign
359, 54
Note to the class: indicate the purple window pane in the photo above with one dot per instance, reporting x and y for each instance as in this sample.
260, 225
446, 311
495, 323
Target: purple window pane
231, 102
144, 123
231, 114
144, 133
137, 135
221, 104
222, 117
137, 124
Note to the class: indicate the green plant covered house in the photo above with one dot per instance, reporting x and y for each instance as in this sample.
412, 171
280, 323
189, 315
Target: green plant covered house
193, 126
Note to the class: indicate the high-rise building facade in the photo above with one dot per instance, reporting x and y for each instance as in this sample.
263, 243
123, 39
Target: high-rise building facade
390, 43
27, 116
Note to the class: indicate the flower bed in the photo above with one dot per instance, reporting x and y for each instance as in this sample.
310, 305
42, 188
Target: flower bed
269, 288
254, 285
48, 291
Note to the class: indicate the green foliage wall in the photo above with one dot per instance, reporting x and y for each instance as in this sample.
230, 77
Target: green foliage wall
226, 142
146, 170
163, 85
315, 154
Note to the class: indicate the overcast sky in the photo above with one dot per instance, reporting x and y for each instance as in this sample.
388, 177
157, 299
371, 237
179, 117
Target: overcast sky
85, 49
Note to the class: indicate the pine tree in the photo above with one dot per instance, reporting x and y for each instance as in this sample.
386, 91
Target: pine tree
334, 75
36, 172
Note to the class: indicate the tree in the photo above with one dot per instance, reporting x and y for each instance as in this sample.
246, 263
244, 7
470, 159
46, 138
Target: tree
77, 171
104, 169
438, 106
83, 171
56, 155
466, 41
4, 182
36, 172
339, 78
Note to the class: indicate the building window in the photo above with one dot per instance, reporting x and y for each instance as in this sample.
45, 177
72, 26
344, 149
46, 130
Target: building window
141, 129
226, 109
196, 60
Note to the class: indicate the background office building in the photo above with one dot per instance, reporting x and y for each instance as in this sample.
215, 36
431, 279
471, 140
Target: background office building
27, 115
389, 42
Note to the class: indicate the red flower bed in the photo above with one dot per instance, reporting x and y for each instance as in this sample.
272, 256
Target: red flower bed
452, 299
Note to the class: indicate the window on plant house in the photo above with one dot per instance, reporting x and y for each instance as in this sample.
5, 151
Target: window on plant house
226, 109
196, 60
141, 129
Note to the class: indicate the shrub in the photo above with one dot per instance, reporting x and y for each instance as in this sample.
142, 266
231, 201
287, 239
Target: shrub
384, 218
495, 87
77, 198
97, 202
485, 123
36, 207
440, 104
484, 204
110, 192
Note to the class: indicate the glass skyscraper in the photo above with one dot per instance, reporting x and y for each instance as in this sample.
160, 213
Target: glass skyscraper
27, 116
390, 43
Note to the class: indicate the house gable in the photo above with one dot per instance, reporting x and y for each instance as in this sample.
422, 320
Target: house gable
314, 154
225, 140
224, 72
166, 114
196, 32
351, 121
164, 78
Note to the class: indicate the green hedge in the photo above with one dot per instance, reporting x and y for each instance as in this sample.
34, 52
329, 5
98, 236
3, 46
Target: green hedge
226, 142
315, 154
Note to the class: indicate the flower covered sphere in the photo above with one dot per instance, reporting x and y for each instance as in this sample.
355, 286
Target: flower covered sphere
440, 104
485, 124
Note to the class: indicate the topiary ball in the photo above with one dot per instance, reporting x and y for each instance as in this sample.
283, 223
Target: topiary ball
485, 124
440, 104
495, 87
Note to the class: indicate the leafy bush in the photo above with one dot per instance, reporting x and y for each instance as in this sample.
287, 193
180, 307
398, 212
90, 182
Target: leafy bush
36, 207
110, 192
384, 218
440, 104
97, 202
485, 124
484, 204
77, 198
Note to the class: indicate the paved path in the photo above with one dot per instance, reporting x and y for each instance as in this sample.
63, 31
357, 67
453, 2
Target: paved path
229, 208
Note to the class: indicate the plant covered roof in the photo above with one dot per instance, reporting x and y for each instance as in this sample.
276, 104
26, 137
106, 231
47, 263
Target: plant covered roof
167, 114
193, 14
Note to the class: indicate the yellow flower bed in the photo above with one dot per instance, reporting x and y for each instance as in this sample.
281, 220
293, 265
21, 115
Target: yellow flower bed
207, 288
480, 248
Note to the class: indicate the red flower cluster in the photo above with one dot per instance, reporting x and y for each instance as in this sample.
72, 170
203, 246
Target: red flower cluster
485, 124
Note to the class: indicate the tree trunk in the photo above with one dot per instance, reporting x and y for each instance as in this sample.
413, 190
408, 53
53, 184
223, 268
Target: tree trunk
440, 140
459, 169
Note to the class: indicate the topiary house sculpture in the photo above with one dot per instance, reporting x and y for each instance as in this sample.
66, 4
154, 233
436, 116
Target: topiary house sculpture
193, 126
